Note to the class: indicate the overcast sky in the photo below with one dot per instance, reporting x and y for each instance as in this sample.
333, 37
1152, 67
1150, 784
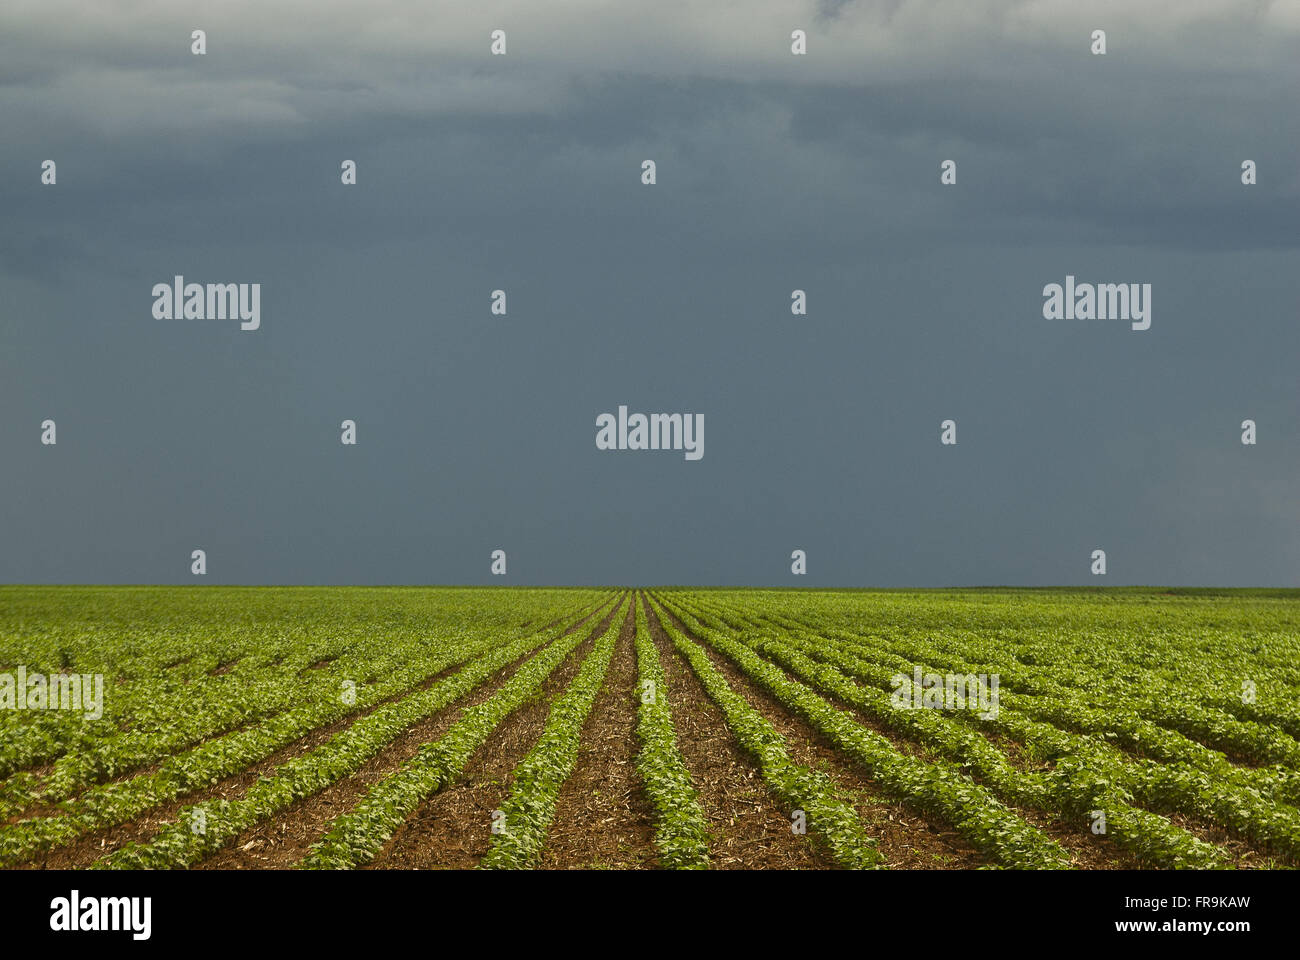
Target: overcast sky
775, 172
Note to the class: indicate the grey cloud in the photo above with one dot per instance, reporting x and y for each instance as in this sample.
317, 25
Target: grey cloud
478, 432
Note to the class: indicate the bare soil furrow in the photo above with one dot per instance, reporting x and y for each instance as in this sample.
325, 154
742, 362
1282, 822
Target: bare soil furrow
749, 827
906, 839
286, 840
452, 829
602, 817
142, 828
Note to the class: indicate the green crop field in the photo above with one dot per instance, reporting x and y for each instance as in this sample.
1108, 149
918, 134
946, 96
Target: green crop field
352, 727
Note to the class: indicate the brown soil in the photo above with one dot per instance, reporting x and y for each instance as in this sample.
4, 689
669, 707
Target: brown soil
301, 745
453, 828
750, 828
1086, 850
286, 840
906, 840
1244, 853
87, 849
42, 770
602, 817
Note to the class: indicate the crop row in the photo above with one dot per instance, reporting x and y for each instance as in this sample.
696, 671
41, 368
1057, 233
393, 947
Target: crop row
113, 803
939, 789
214, 711
161, 695
165, 710
530, 808
830, 813
180, 844
1082, 707
1213, 790
356, 837
1170, 771
1079, 784
1174, 664
681, 833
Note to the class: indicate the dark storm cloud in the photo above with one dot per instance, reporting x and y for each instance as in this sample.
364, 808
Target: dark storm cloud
523, 173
